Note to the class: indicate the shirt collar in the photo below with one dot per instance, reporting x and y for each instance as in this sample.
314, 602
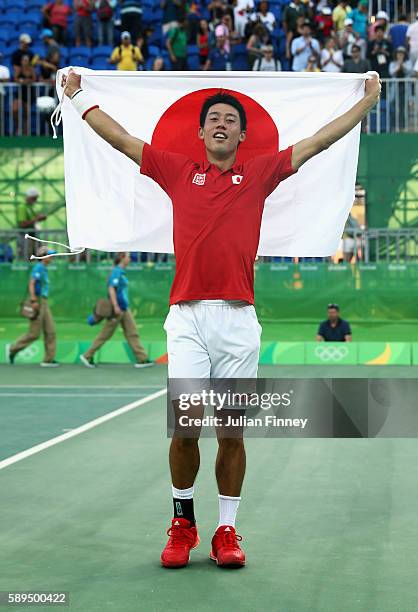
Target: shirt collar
236, 168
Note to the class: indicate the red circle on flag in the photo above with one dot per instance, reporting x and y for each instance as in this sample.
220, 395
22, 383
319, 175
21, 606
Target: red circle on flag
176, 131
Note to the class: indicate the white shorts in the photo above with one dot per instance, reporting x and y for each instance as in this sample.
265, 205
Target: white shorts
212, 339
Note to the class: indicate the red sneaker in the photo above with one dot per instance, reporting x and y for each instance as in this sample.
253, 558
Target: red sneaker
225, 548
182, 539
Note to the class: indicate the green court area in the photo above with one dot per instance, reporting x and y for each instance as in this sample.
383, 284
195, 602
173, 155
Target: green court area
327, 524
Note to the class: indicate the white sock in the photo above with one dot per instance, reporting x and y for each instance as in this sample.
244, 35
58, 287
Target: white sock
228, 508
183, 493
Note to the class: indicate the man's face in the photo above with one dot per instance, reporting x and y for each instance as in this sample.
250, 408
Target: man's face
333, 315
263, 7
306, 31
47, 261
268, 54
355, 53
126, 259
31, 200
379, 34
126, 41
221, 132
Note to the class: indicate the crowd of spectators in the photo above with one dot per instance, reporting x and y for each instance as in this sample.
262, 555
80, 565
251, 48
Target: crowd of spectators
312, 36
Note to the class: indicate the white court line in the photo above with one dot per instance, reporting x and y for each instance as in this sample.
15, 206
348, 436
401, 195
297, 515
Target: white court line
80, 387
74, 395
79, 430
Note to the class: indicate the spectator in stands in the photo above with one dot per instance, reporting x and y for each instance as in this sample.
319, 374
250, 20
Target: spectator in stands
412, 40
216, 9
258, 39
177, 46
105, 25
334, 329
242, 14
359, 15
126, 56
382, 19
158, 64
27, 220
218, 58
331, 57
323, 24
223, 30
39, 292
340, 14
379, 52
23, 51
202, 41
312, 65
362, 43
56, 17
290, 16
24, 75
347, 38
4, 78
143, 41
173, 12
267, 63
355, 63
303, 47
131, 17
265, 16
397, 32
51, 45
400, 68
48, 70
83, 22
117, 288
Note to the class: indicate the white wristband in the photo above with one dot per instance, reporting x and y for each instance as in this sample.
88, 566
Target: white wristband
82, 103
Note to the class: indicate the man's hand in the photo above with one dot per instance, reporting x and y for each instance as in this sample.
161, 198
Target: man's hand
40, 217
117, 310
373, 87
71, 83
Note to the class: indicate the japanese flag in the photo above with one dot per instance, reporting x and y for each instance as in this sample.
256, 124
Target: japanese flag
112, 207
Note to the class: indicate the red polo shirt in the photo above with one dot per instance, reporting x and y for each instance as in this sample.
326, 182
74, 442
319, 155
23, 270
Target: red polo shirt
216, 220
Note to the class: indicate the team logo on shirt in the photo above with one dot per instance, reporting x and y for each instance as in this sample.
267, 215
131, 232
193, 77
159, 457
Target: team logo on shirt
236, 179
199, 179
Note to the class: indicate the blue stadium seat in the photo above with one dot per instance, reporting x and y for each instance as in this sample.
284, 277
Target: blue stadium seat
156, 37
193, 62
147, 15
4, 37
103, 51
99, 63
239, 63
35, 5
149, 63
11, 20
192, 50
38, 49
81, 51
79, 60
28, 28
154, 50
16, 4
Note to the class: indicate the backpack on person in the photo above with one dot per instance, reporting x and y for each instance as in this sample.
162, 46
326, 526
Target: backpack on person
132, 51
104, 11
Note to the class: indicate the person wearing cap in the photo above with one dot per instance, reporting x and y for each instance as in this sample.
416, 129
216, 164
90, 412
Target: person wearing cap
382, 19
291, 12
24, 43
43, 322
303, 47
340, 14
51, 45
412, 41
83, 22
56, 16
331, 57
334, 329
347, 37
27, 220
360, 16
126, 56
379, 52
356, 63
267, 63
117, 289
324, 24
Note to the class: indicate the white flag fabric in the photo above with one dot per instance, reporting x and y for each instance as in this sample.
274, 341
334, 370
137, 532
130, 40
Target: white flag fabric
112, 207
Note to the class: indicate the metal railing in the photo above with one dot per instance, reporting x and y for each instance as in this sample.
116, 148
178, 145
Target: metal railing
366, 246
397, 110
394, 8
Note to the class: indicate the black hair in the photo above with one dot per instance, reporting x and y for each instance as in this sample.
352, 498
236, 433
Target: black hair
333, 305
379, 27
223, 98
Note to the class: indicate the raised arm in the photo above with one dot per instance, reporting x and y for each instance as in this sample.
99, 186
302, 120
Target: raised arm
106, 127
330, 133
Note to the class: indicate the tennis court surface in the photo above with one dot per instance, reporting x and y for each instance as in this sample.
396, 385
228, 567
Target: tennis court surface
328, 525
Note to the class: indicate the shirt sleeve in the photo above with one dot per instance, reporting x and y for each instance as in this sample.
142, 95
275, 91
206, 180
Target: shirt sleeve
274, 168
347, 329
163, 167
114, 279
321, 330
36, 273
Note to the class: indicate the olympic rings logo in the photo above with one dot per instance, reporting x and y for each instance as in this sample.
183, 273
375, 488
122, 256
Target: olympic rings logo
331, 353
29, 352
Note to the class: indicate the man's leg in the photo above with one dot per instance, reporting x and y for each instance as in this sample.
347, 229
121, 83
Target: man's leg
131, 334
105, 333
48, 327
27, 339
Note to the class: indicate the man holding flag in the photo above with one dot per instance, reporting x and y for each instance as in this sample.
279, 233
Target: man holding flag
212, 328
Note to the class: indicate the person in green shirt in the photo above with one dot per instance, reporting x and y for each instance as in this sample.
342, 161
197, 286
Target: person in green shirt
26, 219
177, 46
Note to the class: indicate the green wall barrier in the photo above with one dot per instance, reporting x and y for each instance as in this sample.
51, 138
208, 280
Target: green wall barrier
271, 353
284, 292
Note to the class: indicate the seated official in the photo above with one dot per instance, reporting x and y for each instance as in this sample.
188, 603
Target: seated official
334, 329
